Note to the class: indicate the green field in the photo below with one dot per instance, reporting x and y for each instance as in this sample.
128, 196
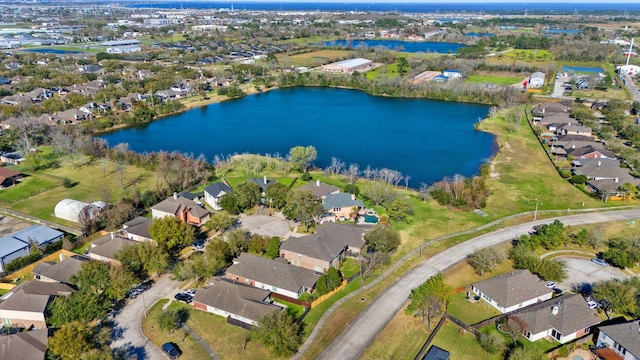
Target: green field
494, 79
461, 344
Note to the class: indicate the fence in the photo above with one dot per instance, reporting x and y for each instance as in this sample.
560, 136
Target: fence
239, 323
442, 321
29, 268
67, 229
289, 299
324, 297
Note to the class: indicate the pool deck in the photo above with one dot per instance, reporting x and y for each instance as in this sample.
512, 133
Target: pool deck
584, 354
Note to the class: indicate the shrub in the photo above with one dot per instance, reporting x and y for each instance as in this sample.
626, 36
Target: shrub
352, 189
491, 343
22, 262
67, 183
306, 176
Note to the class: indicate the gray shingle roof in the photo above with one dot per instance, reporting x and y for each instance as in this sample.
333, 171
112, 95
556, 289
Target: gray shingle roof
273, 272
626, 334
216, 188
33, 296
572, 314
577, 152
138, 226
320, 189
605, 169
513, 288
237, 299
61, 271
333, 201
109, 248
28, 345
171, 205
327, 242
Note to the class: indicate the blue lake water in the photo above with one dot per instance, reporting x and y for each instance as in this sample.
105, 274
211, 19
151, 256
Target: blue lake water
479, 34
53, 51
582, 69
403, 46
424, 139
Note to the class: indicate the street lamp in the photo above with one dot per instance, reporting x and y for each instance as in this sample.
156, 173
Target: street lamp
535, 212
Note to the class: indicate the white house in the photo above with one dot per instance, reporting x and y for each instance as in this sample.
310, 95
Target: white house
512, 291
452, 74
536, 80
622, 340
214, 192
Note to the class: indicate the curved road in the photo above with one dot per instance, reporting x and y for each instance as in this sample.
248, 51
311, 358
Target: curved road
363, 330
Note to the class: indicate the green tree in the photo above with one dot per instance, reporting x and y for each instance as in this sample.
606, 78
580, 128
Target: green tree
258, 244
279, 332
352, 189
618, 296
526, 353
171, 233
93, 277
121, 279
485, 260
277, 194
71, 340
403, 66
218, 255
382, 239
301, 156
238, 241
273, 248
303, 207
172, 319
400, 210
430, 298
230, 203
221, 221
248, 195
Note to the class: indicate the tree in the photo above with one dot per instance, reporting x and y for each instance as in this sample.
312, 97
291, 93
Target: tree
71, 340
403, 66
279, 332
171, 233
230, 203
218, 255
221, 221
93, 277
258, 244
515, 328
526, 353
619, 296
430, 298
303, 207
238, 241
400, 210
382, 239
352, 189
248, 195
485, 260
273, 248
301, 156
121, 279
378, 191
277, 195
171, 319
329, 281
491, 343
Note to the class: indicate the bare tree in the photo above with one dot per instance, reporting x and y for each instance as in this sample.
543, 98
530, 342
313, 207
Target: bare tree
424, 191
406, 181
457, 186
104, 165
378, 192
120, 157
68, 140
351, 173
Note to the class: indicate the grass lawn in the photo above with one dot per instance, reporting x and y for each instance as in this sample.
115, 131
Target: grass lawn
314, 58
190, 348
43, 189
543, 345
529, 55
470, 313
225, 339
349, 267
492, 79
387, 71
461, 344
294, 309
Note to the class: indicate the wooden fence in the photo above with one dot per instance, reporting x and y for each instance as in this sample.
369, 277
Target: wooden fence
29, 268
324, 297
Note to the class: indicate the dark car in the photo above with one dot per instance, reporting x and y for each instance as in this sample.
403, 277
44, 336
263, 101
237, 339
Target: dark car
171, 350
183, 297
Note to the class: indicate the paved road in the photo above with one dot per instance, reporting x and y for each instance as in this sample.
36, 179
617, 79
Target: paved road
127, 331
363, 330
632, 87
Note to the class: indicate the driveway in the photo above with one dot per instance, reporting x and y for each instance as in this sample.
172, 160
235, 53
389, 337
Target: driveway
265, 225
127, 332
558, 87
582, 270
355, 339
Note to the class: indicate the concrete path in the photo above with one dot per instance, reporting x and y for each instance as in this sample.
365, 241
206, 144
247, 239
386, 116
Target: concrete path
204, 344
127, 334
363, 330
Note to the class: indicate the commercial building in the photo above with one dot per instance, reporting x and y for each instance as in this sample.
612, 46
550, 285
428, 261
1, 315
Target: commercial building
348, 66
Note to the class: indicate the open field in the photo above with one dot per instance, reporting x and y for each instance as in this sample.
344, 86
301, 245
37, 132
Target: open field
495, 79
314, 58
190, 348
387, 71
529, 55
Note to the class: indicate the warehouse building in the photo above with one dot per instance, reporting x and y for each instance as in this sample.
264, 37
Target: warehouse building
348, 66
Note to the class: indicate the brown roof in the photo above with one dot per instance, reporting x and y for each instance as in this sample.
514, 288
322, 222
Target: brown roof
236, 299
29, 345
111, 247
566, 314
327, 242
320, 189
626, 334
273, 272
513, 288
33, 296
171, 205
6, 173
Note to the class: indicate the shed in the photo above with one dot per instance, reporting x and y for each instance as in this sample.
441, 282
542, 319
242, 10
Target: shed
73, 210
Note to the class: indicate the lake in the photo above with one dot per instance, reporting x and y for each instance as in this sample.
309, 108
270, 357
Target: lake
424, 139
53, 51
402, 46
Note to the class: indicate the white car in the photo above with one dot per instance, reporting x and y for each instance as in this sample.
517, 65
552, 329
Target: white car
592, 304
191, 292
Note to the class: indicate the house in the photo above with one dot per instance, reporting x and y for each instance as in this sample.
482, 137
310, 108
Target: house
573, 128
105, 248
536, 80
239, 302
619, 341
137, 229
184, 209
27, 345
9, 177
452, 74
590, 152
436, 353
25, 305
341, 206
12, 158
320, 189
325, 248
604, 175
276, 275
512, 291
72, 116
568, 142
39, 235
61, 271
213, 193
563, 318
263, 183
11, 249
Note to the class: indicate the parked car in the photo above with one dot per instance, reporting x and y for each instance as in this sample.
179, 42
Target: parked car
550, 284
183, 297
592, 304
191, 292
198, 245
171, 350
600, 262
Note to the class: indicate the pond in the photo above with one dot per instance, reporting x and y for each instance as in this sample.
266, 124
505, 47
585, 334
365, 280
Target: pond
424, 139
583, 69
402, 46
53, 51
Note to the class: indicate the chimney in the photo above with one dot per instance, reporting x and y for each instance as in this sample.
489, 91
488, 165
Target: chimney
61, 257
113, 236
615, 180
175, 196
554, 310
318, 183
599, 163
353, 197
264, 179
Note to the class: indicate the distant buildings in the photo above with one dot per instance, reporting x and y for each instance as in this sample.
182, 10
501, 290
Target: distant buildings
122, 46
348, 66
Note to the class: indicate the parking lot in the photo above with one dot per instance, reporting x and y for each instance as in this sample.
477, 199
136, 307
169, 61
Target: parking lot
9, 225
265, 225
582, 270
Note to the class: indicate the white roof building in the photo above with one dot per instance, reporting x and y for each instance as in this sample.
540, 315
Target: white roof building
73, 210
348, 66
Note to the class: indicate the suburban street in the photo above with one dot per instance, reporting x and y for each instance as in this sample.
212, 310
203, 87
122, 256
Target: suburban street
632, 87
364, 329
127, 330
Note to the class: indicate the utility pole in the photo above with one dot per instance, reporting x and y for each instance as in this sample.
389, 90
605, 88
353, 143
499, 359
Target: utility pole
535, 212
